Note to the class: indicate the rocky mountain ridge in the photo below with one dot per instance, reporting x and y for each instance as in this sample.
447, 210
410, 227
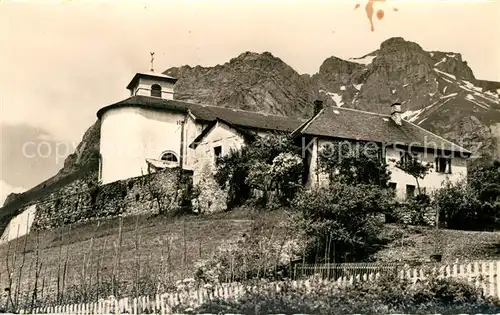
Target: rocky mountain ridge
251, 81
438, 90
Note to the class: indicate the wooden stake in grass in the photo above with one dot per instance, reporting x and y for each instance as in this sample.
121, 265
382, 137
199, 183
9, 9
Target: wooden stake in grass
184, 255
89, 264
169, 258
137, 259
9, 272
161, 277
98, 271
59, 278
38, 269
27, 284
20, 273
65, 267
116, 265
82, 281
42, 289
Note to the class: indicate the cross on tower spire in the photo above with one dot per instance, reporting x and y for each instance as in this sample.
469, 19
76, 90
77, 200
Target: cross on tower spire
152, 59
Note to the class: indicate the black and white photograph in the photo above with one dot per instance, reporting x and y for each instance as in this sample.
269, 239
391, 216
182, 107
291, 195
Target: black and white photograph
249, 157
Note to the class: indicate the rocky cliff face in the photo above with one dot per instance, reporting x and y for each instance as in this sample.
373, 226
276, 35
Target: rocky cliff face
251, 81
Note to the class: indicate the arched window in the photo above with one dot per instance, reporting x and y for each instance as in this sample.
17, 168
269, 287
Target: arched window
169, 157
156, 90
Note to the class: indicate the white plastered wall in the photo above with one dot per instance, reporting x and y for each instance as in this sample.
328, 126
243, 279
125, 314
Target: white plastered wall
19, 225
220, 135
431, 182
129, 135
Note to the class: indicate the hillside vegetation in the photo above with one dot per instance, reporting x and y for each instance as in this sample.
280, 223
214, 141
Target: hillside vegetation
163, 250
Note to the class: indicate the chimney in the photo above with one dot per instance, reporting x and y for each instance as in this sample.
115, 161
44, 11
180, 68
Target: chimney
396, 113
318, 106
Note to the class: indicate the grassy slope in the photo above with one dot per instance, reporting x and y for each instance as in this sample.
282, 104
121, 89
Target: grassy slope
203, 236
418, 243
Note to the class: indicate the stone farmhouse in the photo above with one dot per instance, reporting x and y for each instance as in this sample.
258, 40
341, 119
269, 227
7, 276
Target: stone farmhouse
150, 131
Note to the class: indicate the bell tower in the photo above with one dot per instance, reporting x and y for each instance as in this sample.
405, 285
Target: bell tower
152, 84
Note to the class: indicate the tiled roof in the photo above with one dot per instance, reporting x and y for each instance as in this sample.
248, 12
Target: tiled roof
208, 113
341, 123
360, 125
154, 76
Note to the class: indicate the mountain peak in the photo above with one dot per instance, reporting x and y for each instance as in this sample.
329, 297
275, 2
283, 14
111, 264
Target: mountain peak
399, 44
250, 56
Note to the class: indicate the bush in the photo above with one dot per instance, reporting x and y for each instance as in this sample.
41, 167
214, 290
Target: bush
251, 256
460, 207
232, 171
269, 163
342, 222
354, 164
416, 211
387, 295
473, 204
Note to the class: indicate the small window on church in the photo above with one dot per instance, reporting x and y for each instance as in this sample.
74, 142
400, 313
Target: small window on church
156, 90
169, 157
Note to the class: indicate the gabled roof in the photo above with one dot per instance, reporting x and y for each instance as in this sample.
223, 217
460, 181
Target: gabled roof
340, 123
346, 123
152, 76
247, 134
208, 113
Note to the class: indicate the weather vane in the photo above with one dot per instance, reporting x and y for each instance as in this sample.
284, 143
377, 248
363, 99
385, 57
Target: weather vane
152, 59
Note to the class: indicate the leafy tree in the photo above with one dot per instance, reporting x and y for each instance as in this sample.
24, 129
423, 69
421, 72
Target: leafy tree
341, 221
412, 166
269, 162
359, 163
472, 204
232, 170
484, 178
284, 174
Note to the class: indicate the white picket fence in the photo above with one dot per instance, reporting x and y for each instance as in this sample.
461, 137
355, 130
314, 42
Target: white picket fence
483, 274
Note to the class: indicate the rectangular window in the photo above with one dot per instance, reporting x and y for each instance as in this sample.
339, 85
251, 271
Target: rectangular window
410, 191
443, 165
217, 152
392, 186
407, 157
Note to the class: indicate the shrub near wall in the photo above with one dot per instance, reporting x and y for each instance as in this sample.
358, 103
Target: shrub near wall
162, 192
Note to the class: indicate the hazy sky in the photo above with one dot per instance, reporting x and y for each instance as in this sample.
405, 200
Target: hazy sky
61, 61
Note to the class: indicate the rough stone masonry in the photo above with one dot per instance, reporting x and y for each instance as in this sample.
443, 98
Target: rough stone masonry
165, 191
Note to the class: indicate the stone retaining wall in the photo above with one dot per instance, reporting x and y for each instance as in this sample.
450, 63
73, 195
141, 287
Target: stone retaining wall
161, 192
